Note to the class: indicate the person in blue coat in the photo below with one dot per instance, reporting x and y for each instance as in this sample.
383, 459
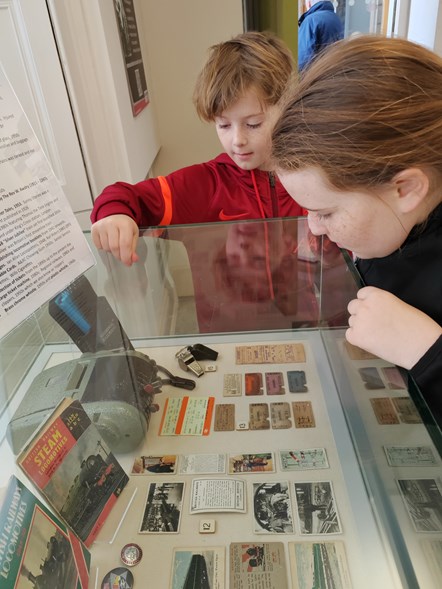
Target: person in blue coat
318, 27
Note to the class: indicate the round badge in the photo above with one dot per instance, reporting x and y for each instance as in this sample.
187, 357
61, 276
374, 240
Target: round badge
119, 578
131, 554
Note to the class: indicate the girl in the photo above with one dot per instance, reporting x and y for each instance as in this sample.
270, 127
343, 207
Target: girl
359, 142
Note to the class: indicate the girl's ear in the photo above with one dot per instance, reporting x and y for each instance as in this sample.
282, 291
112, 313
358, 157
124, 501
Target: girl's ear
412, 186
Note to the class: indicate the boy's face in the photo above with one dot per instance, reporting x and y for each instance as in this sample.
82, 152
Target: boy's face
244, 130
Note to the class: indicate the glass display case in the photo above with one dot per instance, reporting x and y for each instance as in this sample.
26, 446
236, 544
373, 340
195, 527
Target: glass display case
262, 450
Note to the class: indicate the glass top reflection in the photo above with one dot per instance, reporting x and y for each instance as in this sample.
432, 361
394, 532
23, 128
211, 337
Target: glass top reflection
241, 276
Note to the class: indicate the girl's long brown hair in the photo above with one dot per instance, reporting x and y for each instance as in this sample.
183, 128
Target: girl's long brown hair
366, 109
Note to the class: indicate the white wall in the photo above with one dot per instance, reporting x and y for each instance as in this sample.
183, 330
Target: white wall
177, 37
116, 145
418, 21
423, 23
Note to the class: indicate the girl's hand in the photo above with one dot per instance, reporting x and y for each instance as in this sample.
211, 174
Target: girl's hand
384, 325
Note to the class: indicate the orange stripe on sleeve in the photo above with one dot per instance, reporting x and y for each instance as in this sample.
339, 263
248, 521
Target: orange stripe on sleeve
167, 197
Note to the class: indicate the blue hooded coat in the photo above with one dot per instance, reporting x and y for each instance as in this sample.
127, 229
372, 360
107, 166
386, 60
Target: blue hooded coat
318, 27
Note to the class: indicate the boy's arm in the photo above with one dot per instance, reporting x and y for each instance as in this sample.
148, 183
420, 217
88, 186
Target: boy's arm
143, 202
184, 196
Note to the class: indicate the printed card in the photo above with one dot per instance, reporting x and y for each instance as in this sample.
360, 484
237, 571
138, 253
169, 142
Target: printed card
319, 564
224, 417
303, 414
384, 411
209, 495
245, 463
394, 377
165, 464
406, 410
253, 384
356, 353
198, 567
274, 383
257, 565
297, 381
316, 505
280, 415
423, 500
272, 508
371, 377
163, 509
270, 354
187, 416
259, 416
433, 555
232, 385
303, 459
202, 464
410, 456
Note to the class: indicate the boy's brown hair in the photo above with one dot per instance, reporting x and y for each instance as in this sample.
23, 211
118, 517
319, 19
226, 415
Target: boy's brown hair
253, 59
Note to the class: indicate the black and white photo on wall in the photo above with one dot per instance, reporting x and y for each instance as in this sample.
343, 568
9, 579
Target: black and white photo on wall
133, 60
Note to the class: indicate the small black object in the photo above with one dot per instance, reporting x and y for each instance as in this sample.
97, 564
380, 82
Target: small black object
177, 381
200, 352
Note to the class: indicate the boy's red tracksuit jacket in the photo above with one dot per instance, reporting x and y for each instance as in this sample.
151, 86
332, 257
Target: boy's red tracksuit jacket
217, 190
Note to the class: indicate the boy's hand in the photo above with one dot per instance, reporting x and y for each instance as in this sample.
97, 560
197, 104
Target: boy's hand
117, 234
389, 328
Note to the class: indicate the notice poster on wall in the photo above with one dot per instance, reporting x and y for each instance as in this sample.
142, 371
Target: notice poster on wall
133, 60
42, 247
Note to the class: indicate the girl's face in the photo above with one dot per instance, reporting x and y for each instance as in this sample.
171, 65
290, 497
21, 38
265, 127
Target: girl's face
369, 225
245, 129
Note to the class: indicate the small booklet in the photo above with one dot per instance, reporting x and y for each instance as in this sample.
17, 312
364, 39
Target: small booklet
72, 466
41, 550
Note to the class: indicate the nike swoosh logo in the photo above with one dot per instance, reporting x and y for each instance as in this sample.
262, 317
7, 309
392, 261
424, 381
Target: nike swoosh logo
223, 217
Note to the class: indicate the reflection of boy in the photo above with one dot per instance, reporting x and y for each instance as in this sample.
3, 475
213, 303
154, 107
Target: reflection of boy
258, 268
238, 89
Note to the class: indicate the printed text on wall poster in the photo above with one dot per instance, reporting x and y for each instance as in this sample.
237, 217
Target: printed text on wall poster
42, 248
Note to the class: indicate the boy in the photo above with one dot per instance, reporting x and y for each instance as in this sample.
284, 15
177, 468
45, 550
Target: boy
239, 89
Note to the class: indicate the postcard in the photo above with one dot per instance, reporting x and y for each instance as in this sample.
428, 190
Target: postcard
272, 508
316, 506
246, 463
410, 456
258, 565
319, 564
165, 464
423, 500
198, 567
163, 509
303, 459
